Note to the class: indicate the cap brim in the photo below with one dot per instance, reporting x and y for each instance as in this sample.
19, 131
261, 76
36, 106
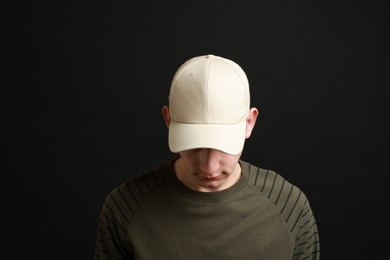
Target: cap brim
228, 138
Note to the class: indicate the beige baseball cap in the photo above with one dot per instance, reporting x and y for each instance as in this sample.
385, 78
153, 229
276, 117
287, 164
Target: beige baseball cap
208, 102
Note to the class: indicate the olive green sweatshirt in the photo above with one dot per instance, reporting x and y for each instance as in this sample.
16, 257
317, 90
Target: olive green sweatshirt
154, 216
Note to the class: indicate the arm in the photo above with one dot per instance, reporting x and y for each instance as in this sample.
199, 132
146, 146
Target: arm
307, 238
111, 234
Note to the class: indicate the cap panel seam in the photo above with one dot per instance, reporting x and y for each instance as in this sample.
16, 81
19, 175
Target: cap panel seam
206, 96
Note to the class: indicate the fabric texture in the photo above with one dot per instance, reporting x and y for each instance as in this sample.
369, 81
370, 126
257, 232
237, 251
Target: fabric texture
154, 216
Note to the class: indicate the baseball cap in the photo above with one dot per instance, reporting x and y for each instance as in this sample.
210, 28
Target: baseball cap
208, 102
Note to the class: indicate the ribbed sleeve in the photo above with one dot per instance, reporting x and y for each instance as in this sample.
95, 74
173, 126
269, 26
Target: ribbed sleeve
117, 212
295, 209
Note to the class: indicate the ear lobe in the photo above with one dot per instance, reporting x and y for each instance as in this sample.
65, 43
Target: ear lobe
166, 115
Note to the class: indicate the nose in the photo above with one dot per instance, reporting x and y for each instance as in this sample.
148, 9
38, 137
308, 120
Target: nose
209, 161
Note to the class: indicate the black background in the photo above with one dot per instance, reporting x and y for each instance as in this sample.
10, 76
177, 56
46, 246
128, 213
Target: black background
84, 83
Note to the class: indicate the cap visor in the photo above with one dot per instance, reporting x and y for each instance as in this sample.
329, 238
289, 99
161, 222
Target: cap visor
228, 138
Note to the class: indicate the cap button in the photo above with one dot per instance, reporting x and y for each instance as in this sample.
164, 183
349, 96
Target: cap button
209, 56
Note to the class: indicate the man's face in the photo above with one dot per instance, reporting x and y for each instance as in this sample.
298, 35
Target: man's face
209, 169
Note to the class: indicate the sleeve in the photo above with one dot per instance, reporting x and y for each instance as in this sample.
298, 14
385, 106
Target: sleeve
111, 233
295, 209
307, 240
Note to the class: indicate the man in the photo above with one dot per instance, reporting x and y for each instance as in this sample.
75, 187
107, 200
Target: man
207, 203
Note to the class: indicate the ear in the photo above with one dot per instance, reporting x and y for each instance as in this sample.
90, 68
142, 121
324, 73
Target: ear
251, 121
166, 115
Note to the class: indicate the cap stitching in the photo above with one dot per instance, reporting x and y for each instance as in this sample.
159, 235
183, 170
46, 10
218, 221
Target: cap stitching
206, 91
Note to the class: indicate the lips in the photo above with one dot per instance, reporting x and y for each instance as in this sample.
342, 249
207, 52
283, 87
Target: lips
212, 178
